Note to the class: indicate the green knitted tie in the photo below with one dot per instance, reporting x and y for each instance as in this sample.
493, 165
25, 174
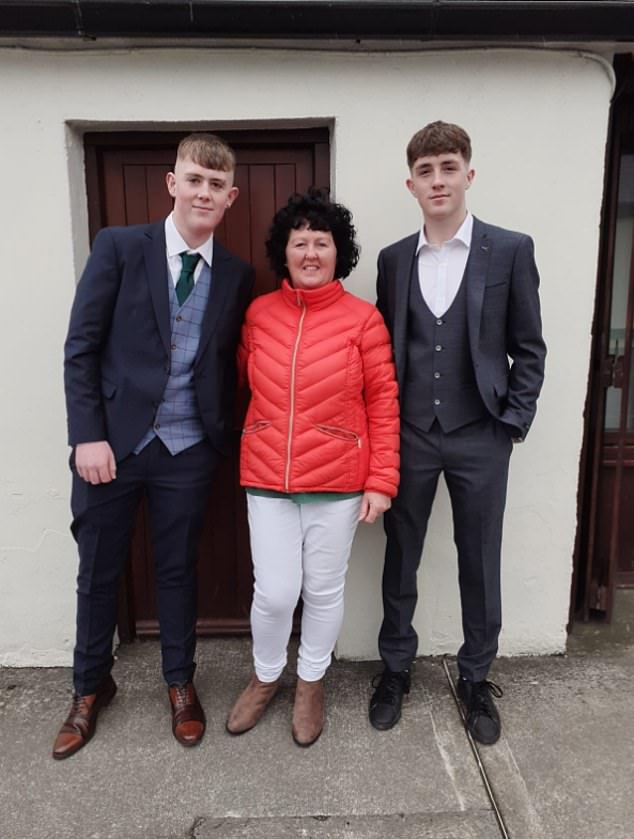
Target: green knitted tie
185, 282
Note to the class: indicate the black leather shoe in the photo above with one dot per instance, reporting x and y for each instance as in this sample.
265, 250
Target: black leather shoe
385, 705
483, 720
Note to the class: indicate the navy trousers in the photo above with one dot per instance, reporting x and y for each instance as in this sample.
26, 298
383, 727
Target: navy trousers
474, 460
177, 490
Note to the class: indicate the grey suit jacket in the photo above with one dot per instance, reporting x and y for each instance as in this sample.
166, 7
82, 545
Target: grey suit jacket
503, 317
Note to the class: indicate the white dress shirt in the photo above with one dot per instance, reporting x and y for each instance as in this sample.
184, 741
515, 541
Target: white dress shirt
441, 267
175, 245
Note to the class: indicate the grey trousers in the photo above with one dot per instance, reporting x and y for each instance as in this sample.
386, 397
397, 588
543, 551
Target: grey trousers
474, 460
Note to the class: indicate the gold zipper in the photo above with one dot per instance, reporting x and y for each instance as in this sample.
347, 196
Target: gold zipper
292, 401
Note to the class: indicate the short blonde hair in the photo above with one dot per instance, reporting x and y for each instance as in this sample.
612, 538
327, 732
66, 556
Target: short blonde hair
207, 150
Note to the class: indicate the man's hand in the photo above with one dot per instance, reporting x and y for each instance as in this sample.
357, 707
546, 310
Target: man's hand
95, 462
372, 505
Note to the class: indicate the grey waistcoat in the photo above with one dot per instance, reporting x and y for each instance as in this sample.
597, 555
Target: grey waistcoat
177, 421
440, 382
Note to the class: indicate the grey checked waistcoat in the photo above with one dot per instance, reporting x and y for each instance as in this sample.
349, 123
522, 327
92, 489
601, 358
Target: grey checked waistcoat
440, 382
177, 421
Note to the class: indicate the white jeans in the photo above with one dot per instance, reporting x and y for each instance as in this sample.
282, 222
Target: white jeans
298, 549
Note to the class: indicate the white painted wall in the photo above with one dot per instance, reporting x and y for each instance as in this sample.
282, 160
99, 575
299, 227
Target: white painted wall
538, 123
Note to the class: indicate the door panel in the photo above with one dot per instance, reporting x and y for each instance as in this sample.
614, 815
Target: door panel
129, 173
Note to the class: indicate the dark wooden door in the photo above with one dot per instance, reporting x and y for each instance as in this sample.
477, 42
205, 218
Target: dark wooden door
126, 185
607, 514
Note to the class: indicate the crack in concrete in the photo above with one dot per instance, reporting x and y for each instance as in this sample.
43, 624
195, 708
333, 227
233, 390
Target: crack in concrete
192, 833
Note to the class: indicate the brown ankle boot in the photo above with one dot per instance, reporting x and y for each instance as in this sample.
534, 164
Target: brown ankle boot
308, 712
250, 705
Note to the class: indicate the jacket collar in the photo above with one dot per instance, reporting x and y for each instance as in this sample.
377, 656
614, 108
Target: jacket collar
313, 298
157, 277
222, 280
223, 283
476, 272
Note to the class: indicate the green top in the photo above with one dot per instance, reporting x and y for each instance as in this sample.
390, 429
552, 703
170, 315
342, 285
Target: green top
303, 497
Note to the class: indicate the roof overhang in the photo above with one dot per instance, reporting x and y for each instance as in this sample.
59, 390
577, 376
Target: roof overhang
426, 21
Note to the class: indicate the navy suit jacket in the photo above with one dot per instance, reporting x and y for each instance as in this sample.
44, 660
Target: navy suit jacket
503, 318
117, 352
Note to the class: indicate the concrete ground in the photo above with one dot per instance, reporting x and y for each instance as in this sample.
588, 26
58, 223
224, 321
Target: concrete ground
563, 769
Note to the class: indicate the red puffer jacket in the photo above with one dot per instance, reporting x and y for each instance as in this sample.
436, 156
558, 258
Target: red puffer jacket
323, 415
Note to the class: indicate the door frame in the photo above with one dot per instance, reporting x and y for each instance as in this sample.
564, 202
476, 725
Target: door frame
593, 582
95, 144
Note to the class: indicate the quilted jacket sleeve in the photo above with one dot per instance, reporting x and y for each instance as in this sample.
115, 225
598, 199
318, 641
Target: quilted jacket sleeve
381, 400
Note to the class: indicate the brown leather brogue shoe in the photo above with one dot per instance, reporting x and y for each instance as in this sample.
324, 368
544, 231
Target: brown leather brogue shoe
308, 712
81, 722
188, 717
250, 705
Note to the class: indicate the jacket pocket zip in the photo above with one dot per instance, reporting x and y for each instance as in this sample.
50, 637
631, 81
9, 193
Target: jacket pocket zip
340, 433
260, 425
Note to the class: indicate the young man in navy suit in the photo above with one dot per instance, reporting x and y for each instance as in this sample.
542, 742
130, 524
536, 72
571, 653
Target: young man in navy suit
460, 298
149, 377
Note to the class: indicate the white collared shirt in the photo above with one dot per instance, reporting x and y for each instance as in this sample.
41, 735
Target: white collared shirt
175, 245
441, 267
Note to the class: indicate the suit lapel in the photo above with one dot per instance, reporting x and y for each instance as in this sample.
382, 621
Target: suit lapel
475, 278
221, 285
405, 271
157, 276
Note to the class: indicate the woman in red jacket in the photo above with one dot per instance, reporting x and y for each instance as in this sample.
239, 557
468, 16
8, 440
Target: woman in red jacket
319, 448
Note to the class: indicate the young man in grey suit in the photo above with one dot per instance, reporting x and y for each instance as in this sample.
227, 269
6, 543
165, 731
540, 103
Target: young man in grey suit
149, 372
460, 299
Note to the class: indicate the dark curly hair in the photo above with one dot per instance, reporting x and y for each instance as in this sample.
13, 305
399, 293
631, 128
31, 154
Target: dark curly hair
315, 210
